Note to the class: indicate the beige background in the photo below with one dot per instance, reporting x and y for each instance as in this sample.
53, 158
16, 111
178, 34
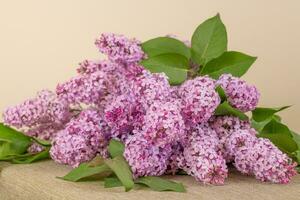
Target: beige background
42, 41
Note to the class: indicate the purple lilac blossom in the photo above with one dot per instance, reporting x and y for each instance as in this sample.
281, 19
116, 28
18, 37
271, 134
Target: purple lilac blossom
123, 114
202, 158
80, 141
163, 123
120, 49
87, 89
239, 94
114, 71
45, 108
144, 158
258, 156
199, 100
224, 126
150, 87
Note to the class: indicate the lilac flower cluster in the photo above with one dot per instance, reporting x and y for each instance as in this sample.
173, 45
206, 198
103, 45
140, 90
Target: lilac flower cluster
83, 137
260, 157
118, 48
163, 123
165, 128
224, 126
45, 108
199, 100
145, 158
251, 155
240, 95
202, 158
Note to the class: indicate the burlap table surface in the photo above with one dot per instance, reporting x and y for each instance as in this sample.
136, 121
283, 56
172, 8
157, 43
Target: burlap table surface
38, 182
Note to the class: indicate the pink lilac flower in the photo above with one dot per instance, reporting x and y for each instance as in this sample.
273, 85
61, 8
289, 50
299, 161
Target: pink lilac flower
123, 114
149, 87
80, 141
45, 108
144, 158
260, 157
118, 48
113, 71
224, 127
163, 123
202, 158
239, 94
88, 89
199, 100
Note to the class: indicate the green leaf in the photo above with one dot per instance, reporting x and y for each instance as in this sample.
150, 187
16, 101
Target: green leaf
173, 65
115, 148
122, 170
226, 109
41, 142
84, 170
30, 158
111, 182
221, 93
280, 135
12, 142
296, 156
261, 114
230, 62
159, 184
209, 40
260, 125
165, 45
296, 138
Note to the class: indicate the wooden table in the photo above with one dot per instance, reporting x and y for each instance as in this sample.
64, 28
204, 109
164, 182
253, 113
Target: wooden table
37, 182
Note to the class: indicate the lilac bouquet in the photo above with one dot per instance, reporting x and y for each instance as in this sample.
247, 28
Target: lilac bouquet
160, 107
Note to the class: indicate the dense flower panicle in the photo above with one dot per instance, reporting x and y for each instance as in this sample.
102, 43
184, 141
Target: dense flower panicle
113, 71
144, 158
80, 141
163, 123
71, 149
258, 156
239, 94
224, 126
88, 89
45, 108
118, 48
199, 100
201, 157
123, 114
150, 87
